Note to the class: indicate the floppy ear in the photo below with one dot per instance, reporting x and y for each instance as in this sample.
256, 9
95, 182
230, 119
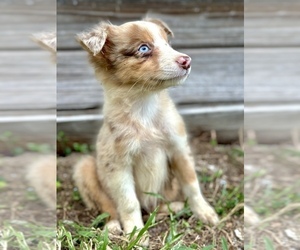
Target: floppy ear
94, 40
161, 24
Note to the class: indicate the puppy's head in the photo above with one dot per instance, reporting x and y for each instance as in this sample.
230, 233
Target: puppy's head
136, 53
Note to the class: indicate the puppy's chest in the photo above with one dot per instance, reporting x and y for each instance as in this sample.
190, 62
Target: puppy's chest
144, 131
148, 134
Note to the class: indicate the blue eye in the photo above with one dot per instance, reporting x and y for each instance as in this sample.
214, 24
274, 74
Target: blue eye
144, 49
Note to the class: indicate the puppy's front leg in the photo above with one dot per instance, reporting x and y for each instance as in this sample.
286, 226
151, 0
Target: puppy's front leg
120, 184
183, 165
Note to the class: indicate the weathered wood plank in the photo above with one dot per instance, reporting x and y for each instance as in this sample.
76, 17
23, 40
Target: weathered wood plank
170, 6
16, 32
272, 117
27, 80
28, 5
199, 30
191, 30
217, 76
271, 6
19, 20
272, 29
272, 75
27, 126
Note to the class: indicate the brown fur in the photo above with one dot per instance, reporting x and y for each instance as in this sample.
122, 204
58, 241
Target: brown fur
41, 175
142, 146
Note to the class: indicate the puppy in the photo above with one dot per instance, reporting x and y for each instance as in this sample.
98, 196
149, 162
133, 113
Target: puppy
142, 146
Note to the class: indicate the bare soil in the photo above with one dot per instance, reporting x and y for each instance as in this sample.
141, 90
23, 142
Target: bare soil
18, 200
273, 190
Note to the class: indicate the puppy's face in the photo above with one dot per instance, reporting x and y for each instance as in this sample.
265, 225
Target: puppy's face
136, 54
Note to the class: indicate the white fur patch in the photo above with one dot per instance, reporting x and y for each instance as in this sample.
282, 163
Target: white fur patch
145, 110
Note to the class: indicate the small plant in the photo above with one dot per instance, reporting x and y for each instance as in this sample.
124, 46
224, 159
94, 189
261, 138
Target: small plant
28, 236
67, 147
268, 244
224, 244
39, 148
229, 198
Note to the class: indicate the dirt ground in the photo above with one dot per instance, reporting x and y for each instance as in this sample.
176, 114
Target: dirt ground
272, 189
22, 213
18, 199
272, 184
209, 160
220, 168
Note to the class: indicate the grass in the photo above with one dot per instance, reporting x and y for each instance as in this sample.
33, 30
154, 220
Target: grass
66, 147
71, 236
176, 231
12, 145
176, 235
27, 236
276, 198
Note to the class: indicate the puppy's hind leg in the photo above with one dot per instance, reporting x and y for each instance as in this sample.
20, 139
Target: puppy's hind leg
92, 193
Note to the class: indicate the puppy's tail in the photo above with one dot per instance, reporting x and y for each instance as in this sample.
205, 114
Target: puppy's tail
42, 177
90, 188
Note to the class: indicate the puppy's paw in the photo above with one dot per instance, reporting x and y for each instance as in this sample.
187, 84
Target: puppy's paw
114, 227
207, 214
144, 241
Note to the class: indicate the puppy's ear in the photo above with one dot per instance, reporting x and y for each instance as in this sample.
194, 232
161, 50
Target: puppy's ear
94, 40
46, 40
161, 24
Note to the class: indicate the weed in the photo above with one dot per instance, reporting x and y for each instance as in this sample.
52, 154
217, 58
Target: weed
228, 199
268, 244
39, 148
224, 244
68, 147
3, 183
27, 236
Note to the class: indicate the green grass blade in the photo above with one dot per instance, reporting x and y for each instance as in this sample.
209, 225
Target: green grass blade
224, 244
268, 244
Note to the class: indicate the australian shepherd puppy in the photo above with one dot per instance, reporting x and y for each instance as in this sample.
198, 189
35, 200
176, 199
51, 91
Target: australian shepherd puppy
142, 146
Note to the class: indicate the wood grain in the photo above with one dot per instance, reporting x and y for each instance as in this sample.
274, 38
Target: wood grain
272, 75
19, 20
191, 30
27, 80
170, 6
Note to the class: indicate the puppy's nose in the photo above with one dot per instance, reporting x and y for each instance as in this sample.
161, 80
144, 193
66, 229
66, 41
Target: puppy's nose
184, 62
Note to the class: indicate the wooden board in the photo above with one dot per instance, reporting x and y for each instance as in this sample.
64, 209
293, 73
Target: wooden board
271, 6
191, 30
279, 29
217, 76
17, 128
19, 20
27, 80
170, 6
272, 75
